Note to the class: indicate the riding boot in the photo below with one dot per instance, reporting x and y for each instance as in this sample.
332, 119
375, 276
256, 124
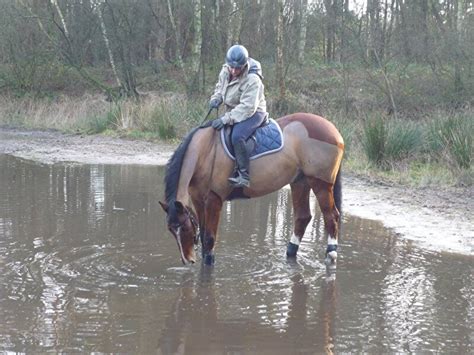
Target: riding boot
243, 162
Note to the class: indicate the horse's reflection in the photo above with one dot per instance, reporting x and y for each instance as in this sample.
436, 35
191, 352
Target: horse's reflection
194, 325
194, 309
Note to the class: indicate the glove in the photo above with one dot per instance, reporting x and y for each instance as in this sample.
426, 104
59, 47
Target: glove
214, 103
217, 124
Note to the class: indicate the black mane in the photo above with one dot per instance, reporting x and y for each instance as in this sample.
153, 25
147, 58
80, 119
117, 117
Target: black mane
173, 167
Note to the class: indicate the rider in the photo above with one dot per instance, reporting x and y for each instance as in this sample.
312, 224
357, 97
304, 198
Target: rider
241, 89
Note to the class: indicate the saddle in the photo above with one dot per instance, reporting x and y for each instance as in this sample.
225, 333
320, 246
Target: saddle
267, 139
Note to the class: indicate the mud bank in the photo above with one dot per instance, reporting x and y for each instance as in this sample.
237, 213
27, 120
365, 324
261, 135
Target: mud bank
437, 219
51, 147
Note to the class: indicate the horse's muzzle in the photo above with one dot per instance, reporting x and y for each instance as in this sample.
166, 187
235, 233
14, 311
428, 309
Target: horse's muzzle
188, 261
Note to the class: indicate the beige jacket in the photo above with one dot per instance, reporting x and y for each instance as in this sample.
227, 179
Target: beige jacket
243, 96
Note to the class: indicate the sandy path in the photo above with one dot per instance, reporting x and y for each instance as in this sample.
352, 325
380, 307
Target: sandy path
438, 219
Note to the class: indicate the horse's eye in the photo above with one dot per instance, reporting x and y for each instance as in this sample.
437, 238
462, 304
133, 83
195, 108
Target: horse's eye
173, 227
186, 228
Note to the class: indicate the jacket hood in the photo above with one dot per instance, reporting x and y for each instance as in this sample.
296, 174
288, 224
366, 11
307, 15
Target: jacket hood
255, 67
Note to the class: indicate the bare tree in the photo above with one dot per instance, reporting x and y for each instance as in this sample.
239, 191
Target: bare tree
279, 54
177, 37
99, 11
302, 34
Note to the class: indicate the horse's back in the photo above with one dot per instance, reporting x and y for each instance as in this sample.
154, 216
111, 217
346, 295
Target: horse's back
317, 127
316, 142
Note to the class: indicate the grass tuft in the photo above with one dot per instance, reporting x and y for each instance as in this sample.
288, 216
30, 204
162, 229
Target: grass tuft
374, 139
403, 140
450, 139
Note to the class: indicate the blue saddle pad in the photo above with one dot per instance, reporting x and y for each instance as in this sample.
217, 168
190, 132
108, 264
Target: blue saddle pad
268, 139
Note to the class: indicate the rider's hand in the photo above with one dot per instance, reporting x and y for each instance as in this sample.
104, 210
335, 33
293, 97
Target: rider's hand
214, 103
217, 124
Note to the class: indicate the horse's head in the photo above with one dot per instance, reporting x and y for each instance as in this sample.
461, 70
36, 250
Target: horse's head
182, 223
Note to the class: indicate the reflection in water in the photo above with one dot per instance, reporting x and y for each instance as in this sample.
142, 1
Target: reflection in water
86, 265
195, 323
404, 294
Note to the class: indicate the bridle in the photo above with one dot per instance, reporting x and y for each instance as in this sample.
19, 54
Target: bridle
194, 224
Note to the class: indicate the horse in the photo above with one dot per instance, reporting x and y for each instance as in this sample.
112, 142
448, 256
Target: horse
198, 170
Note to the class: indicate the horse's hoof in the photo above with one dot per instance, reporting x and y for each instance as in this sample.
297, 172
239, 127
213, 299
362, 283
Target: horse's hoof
331, 258
291, 250
331, 255
208, 259
331, 252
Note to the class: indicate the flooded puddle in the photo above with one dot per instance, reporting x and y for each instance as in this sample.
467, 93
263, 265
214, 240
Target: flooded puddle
86, 264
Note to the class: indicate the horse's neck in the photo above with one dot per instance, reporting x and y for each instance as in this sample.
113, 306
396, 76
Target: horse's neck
196, 161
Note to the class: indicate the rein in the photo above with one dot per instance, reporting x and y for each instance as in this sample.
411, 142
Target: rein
208, 113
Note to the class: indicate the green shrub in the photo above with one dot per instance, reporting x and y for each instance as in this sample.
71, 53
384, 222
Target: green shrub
460, 144
451, 138
403, 140
387, 141
172, 116
100, 123
348, 129
374, 139
160, 122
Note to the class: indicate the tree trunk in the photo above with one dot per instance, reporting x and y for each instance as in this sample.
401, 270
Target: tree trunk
174, 28
129, 85
330, 46
279, 55
373, 31
302, 35
388, 86
197, 47
107, 45
61, 17
236, 20
458, 14
403, 24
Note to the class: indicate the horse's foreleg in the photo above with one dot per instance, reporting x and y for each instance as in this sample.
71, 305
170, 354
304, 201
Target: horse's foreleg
302, 214
324, 194
211, 222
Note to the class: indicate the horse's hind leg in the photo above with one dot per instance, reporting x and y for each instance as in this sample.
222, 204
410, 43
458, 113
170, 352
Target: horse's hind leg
302, 214
325, 196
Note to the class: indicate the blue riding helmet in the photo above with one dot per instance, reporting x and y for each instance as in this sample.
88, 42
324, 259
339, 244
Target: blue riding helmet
237, 56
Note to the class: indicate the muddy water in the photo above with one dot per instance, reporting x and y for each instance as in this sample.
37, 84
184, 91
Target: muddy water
86, 265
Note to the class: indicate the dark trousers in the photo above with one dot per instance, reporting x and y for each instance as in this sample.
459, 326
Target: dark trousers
243, 130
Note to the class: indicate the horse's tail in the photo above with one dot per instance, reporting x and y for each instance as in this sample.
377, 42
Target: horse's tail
337, 190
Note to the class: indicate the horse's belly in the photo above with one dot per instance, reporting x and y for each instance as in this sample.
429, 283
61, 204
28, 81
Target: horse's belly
271, 173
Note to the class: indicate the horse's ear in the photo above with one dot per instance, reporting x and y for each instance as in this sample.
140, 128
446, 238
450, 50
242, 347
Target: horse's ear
179, 206
164, 205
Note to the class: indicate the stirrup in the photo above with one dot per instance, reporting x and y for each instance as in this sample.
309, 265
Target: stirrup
239, 181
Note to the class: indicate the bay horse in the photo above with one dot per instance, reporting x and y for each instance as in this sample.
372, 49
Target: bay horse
199, 168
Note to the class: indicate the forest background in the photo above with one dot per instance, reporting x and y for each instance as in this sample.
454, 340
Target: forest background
395, 76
